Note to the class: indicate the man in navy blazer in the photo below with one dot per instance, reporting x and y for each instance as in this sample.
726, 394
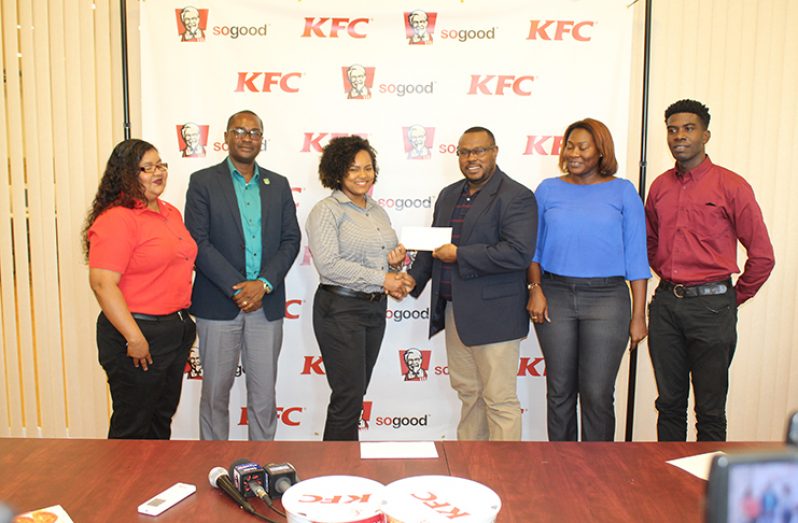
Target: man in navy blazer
479, 287
243, 218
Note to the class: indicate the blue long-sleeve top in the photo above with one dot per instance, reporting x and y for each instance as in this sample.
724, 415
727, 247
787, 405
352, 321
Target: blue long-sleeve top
591, 231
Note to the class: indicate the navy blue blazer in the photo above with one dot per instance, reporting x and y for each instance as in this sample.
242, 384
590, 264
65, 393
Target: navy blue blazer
214, 221
489, 293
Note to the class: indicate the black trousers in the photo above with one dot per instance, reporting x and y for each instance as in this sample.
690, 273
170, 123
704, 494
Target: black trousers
349, 332
692, 337
144, 402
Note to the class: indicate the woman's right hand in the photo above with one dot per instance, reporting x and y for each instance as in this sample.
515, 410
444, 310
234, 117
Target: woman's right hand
394, 284
538, 306
139, 351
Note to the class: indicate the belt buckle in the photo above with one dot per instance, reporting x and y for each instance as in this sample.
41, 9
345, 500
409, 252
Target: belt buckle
678, 290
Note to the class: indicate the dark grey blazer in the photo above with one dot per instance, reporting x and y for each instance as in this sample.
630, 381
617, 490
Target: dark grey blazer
213, 219
489, 293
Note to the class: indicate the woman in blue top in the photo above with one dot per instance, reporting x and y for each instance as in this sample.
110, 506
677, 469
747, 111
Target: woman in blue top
591, 240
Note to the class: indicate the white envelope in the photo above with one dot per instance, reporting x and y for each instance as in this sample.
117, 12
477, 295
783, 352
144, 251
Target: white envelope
425, 238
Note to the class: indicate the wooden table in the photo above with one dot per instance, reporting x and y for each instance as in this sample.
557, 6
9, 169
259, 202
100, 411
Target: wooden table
103, 481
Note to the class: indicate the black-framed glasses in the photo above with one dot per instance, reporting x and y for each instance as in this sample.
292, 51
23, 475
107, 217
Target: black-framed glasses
477, 151
150, 169
240, 133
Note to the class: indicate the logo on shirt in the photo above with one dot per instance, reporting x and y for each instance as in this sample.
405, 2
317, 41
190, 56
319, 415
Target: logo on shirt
418, 141
420, 27
415, 364
358, 81
192, 139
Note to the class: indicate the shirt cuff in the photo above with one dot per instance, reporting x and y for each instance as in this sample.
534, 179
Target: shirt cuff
267, 282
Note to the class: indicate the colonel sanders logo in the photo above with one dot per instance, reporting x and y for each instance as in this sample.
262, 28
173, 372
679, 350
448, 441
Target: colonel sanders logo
415, 364
191, 24
193, 368
358, 81
419, 26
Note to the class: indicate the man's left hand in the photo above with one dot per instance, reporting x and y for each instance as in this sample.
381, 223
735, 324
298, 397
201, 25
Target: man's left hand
250, 295
447, 253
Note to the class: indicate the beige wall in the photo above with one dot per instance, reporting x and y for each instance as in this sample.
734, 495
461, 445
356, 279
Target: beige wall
60, 115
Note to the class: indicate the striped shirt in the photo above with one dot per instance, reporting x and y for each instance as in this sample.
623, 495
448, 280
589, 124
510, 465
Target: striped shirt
456, 223
350, 245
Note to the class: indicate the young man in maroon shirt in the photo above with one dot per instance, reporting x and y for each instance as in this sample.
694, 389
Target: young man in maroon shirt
696, 213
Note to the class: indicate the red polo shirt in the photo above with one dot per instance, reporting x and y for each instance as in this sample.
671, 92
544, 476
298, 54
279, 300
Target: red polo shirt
693, 222
152, 251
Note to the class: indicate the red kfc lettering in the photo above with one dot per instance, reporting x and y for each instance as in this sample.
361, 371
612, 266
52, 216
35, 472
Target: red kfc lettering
480, 85
248, 81
285, 415
243, 420
313, 366
529, 367
313, 27
288, 304
534, 145
539, 30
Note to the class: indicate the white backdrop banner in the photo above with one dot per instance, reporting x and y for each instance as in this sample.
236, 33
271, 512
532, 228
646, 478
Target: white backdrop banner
410, 78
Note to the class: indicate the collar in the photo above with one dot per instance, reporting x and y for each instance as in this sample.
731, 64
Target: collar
339, 196
696, 173
490, 184
140, 207
234, 172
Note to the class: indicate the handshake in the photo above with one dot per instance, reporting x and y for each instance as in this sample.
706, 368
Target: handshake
398, 284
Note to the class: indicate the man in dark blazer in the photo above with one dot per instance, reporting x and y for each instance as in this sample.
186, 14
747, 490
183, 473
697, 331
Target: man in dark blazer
243, 219
479, 287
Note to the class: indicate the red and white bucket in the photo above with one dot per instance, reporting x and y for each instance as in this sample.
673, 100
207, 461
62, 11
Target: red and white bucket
433, 499
334, 499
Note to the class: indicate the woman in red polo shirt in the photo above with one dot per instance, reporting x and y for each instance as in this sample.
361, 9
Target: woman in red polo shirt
140, 261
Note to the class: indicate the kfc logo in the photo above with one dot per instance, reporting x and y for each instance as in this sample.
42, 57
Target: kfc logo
558, 29
490, 84
191, 24
331, 27
418, 142
415, 364
192, 140
358, 81
544, 145
193, 369
529, 367
313, 365
267, 82
292, 309
288, 417
365, 416
314, 140
419, 27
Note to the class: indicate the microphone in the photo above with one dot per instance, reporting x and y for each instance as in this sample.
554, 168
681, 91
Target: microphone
219, 478
249, 478
279, 477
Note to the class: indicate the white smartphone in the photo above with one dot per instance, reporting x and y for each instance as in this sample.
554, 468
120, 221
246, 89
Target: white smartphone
167, 499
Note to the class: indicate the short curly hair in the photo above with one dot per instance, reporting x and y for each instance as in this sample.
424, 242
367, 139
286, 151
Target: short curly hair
120, 184
689, 106
338, 155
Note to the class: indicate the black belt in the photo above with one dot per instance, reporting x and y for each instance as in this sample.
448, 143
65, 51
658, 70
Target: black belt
692, 291
349, 293
179, 315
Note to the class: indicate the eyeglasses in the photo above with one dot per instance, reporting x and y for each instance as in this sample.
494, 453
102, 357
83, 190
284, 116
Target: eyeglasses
240, 133
477, 151
149, 169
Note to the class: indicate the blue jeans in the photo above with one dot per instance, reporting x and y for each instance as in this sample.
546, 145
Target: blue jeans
583, 346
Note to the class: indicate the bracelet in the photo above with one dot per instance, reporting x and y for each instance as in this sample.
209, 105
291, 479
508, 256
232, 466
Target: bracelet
533, 285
